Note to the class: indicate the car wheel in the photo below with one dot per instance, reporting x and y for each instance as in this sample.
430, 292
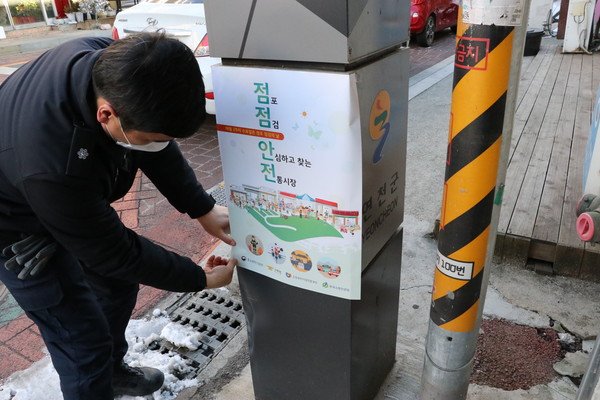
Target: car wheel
425, 38
453, 29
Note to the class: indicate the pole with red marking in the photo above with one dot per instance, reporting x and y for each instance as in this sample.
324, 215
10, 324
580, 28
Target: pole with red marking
475, 170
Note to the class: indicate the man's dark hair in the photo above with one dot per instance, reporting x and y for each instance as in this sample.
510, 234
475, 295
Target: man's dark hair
154, 84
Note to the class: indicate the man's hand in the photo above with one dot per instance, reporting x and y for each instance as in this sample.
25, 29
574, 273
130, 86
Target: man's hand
219, 271
216, 222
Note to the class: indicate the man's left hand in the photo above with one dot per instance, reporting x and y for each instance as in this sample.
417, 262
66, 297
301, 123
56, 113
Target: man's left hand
216, 222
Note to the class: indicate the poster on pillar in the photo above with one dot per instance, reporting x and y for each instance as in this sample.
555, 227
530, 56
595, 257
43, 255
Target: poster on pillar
291, 149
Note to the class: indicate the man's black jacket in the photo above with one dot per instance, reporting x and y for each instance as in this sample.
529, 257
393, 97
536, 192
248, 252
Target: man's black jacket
59, 172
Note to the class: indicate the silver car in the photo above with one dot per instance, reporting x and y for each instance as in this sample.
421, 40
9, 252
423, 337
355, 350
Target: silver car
181, 19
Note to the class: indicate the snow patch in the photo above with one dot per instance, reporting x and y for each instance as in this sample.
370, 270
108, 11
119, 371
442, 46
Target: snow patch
40, 380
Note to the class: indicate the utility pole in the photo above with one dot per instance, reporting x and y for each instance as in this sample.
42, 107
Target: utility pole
489, 49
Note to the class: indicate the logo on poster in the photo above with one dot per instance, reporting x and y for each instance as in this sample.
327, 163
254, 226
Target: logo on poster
379, 124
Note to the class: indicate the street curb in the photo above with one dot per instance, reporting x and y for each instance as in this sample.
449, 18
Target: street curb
29, 44
422, 81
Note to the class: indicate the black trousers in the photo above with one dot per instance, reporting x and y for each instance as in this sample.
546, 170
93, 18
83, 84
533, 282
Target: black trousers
82, 318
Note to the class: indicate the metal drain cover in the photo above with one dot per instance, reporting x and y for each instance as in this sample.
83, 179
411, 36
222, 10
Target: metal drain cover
218, 193
212, 313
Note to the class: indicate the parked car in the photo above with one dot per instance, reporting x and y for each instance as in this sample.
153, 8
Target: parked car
181, 19
430, 16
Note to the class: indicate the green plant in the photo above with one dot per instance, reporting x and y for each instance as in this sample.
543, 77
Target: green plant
69, 9
73, 7
27, 9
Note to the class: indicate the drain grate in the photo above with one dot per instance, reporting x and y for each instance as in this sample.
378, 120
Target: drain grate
218, 193
212, 313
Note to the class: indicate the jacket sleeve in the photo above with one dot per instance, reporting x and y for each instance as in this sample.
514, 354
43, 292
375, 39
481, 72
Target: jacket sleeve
170, 172
75, 213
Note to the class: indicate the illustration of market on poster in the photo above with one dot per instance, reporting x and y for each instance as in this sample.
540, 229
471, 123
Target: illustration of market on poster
292, 169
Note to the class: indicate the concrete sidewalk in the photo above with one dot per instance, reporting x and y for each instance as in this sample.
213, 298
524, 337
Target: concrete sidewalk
43, 40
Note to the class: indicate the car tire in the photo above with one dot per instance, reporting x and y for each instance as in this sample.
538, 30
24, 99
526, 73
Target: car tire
425, 38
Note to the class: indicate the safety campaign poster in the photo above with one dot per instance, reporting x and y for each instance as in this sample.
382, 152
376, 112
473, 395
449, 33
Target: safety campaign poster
291, 149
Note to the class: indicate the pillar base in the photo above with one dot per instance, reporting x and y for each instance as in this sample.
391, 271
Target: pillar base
306, 345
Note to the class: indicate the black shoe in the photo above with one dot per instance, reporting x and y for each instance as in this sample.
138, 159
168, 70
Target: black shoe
136, 381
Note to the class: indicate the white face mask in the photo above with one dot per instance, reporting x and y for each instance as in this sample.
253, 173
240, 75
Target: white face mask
150, 147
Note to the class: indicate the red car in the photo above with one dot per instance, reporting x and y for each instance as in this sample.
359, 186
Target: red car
430, 16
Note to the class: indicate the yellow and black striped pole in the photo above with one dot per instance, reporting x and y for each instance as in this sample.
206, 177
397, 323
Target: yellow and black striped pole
479, 103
